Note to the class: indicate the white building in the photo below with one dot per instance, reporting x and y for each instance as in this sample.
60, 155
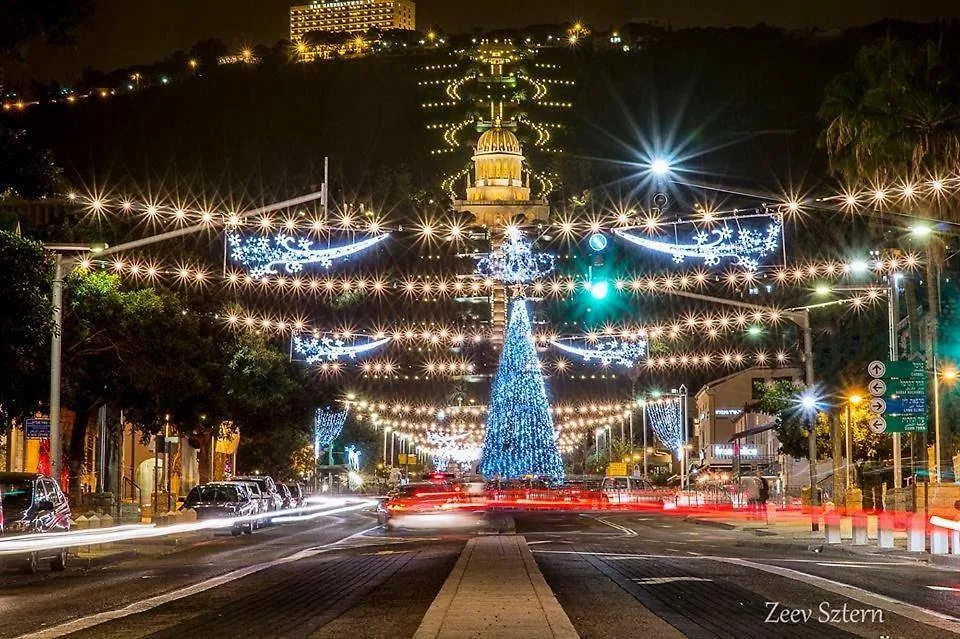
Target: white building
722, 412
351, 16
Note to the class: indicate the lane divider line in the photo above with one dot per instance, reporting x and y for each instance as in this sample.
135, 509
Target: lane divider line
153, 602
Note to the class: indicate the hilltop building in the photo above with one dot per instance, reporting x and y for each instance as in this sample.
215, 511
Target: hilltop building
351, 16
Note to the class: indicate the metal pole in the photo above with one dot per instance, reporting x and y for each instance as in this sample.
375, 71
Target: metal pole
643, 408
802, 317
55, 347
893, 315
384, 446
213, 454
936, 418
849, 443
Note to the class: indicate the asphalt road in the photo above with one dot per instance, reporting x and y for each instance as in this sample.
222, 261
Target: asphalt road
615, 574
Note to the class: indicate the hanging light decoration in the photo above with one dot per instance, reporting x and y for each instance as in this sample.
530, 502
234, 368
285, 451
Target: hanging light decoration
607, 351
745, 246
261, 255
326, 347
515, 261
666, 418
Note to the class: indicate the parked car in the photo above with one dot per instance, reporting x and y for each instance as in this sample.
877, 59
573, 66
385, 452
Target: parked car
31, 503
297, 496
285, 495
221, 500
259, 500
268, 487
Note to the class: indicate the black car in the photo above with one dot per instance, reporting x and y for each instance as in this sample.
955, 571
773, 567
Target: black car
224, 500
31, 503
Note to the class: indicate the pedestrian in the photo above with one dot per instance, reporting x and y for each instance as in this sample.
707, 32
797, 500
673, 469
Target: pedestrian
763, 494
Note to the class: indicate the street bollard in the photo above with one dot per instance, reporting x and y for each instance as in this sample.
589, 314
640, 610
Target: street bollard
916, 533
106, 521
859, 528
939, 541
771, 513
93, 521
831, 522
886, 524
954, 542
81, 523
189, 515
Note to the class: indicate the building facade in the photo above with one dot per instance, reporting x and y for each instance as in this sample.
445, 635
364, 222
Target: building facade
351, 16
722, 412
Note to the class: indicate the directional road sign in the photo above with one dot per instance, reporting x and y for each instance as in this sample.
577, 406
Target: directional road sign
877, 387
877, 424
898, 392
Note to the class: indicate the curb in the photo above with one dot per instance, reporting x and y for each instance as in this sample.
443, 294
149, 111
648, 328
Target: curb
101, 561
708, 522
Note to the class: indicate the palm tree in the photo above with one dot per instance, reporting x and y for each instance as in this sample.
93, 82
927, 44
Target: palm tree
895, 117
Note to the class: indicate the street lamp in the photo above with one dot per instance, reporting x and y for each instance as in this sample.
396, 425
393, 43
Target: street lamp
659, 166
949, 375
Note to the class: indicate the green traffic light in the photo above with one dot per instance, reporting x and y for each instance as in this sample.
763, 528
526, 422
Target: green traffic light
599, 290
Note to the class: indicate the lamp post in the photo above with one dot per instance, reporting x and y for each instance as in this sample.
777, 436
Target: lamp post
949, 375
852, 400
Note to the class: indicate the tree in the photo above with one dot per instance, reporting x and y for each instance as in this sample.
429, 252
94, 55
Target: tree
896, 116
25, 322
779, 398
25, 170
52, 21
519, 439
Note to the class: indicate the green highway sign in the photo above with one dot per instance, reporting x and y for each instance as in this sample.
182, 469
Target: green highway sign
898, 392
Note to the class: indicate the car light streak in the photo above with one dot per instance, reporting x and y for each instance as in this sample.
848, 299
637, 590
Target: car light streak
34, 542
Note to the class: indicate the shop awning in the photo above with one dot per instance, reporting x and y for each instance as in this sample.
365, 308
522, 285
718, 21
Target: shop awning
753, 431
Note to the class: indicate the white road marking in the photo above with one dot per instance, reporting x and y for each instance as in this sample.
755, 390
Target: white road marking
656, 581
896, 606
949, 588
159, 600
902, 608
854, 565
629, 532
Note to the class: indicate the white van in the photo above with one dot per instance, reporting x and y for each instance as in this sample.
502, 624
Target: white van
631, 490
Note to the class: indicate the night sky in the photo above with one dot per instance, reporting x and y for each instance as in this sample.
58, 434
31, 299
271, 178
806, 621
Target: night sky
125, 32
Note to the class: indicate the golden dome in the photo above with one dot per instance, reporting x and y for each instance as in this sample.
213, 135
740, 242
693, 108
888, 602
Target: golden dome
498, 140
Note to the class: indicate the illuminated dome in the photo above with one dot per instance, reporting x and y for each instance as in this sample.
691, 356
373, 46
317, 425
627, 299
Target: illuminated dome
498, 140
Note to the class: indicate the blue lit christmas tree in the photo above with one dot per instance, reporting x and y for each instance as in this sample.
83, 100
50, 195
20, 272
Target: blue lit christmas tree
519, 439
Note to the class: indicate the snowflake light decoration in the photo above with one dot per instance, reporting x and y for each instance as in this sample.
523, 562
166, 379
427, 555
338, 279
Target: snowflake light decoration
515, 262
261, 255
327, 347
607, 351
746, 246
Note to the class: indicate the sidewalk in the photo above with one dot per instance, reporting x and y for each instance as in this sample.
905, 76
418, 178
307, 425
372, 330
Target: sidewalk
496, 590
793, 529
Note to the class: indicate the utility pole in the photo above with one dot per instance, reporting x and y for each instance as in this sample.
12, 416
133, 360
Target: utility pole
61, 268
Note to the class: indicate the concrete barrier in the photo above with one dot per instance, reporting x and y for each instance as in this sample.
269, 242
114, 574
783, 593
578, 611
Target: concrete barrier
916, 533
831, 524
859, 528
189, 515
886, 524
939, 541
